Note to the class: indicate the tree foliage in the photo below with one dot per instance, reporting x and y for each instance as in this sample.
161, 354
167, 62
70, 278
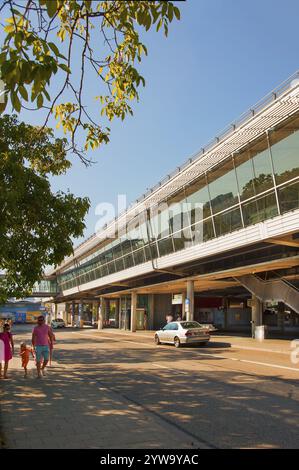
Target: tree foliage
103, 36
36, 225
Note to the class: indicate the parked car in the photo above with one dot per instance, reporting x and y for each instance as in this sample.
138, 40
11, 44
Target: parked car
58, 323
209, 326
183, 332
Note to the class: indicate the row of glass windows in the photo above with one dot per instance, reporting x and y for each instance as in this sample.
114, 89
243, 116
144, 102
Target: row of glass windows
247, 188
253, 212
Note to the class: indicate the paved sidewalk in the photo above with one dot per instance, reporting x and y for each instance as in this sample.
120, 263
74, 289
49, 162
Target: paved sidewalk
71, 409
280, 346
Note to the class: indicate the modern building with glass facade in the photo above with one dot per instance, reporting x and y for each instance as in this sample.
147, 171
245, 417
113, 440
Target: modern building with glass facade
217, 240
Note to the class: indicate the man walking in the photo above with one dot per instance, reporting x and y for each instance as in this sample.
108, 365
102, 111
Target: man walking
42, 340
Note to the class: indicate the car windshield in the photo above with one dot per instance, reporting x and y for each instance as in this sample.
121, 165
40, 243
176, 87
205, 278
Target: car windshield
187, 325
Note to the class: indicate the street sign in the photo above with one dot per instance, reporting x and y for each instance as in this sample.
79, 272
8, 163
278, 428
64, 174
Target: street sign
177, 299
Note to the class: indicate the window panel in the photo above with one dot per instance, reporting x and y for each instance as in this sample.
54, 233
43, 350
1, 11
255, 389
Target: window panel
128, 261
111, 267
126, 246
137, 231
108, 256
98, 273
105, 271
223, 186
260, 209
159, 222
182, 240
263, 177
117, 251
203, 231
154, 250
147, 251
289, 197
198, 193
139, 256
165, 246
245, 175
119, 264
284, 143
179, 243
228, 222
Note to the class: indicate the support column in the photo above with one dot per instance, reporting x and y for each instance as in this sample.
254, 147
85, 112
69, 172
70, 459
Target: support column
184, 313
93, 312
133, 311
151, 300
256, 314
280, 317
190, 299
101, 308
119, 313
55, 312
72, 313
80, 315
225, 312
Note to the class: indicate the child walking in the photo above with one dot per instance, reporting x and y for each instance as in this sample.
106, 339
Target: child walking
25, 352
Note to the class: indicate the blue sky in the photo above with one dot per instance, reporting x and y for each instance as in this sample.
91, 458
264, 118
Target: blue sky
221, 58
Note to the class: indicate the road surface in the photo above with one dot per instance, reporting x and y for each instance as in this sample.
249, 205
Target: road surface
113, 390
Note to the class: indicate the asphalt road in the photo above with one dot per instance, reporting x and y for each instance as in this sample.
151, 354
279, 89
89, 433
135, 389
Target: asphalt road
110, 390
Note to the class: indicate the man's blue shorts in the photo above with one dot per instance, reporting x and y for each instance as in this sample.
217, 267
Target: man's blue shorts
42, 351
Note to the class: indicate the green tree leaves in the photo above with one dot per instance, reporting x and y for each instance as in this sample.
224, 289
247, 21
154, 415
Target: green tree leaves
51, 7
103, 36
37, 225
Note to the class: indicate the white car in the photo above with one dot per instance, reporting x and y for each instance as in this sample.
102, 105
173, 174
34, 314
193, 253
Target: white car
58, 323
183, 332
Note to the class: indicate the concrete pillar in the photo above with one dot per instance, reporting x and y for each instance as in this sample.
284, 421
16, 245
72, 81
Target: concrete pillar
119, 313
54, 313
80, 315
72, 313
184, 313
225, 312
280, 316
133, 311
256, 313
93, 312
101, 313
190, 299
150, 313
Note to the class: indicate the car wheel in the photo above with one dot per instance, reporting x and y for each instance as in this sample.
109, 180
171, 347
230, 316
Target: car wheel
177, 342
157, 340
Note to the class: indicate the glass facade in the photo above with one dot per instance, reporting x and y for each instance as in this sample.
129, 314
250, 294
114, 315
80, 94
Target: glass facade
45, 286
258, 183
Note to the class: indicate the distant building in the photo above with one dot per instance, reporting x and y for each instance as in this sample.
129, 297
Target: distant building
23, 311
